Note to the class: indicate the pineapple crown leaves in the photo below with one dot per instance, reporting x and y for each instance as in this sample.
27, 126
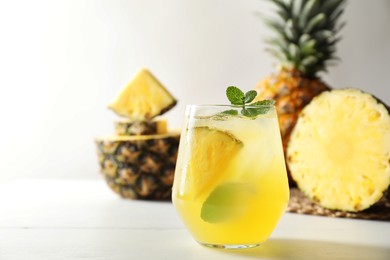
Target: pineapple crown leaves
306, 32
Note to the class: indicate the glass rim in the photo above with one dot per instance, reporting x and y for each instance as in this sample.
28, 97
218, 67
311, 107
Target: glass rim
227, 106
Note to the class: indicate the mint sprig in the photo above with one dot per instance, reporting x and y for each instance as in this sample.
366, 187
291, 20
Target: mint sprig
238, 98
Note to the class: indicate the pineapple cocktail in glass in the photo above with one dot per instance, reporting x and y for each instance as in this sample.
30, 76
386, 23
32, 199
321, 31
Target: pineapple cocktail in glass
230, 187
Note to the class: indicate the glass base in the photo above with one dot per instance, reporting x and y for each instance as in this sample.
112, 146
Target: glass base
229, 246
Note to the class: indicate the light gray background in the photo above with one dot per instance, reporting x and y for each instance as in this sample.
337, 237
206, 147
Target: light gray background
61, 62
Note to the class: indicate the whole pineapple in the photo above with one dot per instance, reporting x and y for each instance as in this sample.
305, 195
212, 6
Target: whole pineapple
306, 32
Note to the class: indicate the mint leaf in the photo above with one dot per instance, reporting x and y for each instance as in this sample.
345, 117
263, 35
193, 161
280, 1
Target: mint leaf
250, 96
251, 112
261, 107
226, 201
225, 114
265, 102
230, 112
235, 95
218, 206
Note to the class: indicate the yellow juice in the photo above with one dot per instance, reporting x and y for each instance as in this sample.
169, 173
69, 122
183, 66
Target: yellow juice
230, 187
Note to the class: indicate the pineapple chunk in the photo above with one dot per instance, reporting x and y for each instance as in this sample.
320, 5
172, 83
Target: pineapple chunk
142, 98
339, 151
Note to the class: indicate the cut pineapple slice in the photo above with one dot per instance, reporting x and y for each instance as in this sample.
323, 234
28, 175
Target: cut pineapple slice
143, 98
211, 150
339, 151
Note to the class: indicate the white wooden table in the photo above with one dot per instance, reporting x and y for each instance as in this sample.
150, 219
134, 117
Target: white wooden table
50, 219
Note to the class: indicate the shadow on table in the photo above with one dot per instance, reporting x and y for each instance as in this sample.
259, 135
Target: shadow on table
308, 249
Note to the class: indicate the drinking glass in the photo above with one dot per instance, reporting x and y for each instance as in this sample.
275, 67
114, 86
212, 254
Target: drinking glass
230, 186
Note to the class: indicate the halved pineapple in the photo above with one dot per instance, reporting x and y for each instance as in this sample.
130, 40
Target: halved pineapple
138, 161
139, 167
143, 98
339, 151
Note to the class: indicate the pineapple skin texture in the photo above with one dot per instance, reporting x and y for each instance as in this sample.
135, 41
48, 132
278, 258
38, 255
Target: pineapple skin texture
139, 167
339, 151
292, 92
151, 127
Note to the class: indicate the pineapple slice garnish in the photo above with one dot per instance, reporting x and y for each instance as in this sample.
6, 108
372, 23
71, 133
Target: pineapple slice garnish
339, 151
